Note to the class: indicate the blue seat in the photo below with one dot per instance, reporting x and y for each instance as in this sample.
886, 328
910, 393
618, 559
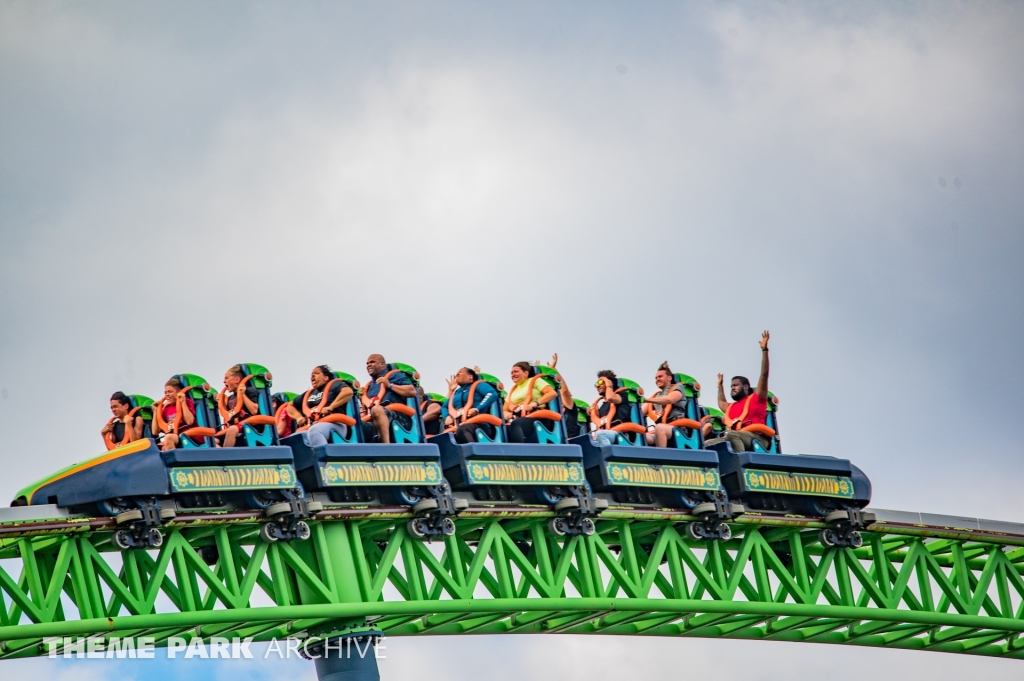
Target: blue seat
768, 480
350, 470
635, 472
502, 471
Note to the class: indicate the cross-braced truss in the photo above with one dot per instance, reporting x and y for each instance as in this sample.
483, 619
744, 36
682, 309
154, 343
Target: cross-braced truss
636, 576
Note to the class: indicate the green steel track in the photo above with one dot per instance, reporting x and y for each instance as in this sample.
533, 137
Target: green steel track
911, 585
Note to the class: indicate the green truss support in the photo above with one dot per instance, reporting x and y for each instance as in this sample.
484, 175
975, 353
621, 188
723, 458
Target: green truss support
639, 575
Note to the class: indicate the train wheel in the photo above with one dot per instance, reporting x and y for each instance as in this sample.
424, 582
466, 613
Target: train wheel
548, 495
828, 538
558, 527
267, 533
123, 540
156, 538
448, 527
687, 499
418, 527
278, 509
724, 532
302, 531
407, 496
695, 531
113, 507
587, 527
128, 516
261, 498
856, 541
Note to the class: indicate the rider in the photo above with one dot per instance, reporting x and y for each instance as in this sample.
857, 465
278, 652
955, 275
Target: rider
167, 411
670, 395
431, 411
523, 399
234, 413
609, 409
117, 428
570, 411
749, 407
388, 386
311, 406
457, 409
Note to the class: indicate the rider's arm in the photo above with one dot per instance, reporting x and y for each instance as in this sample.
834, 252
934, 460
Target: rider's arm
404, 391
489, 395
344, 395
186, 414
547, 394
673, 396
762, 381
250, 405
723, 403
610, 395
136, 428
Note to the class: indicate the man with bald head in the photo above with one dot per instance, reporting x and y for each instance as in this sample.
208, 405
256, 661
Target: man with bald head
386, 386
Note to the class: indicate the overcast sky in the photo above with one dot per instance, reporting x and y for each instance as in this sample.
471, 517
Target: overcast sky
188, 185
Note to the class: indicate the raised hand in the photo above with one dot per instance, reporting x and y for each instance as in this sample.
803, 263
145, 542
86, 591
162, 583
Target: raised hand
764, 340
554, 360
720, 379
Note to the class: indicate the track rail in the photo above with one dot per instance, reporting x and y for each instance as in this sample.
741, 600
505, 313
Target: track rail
919, 582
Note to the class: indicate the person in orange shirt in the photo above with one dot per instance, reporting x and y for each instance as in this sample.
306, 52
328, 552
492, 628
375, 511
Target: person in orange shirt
749, 407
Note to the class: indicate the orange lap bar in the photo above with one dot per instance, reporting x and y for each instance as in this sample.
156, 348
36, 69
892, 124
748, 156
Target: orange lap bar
759, 429
629, 428
484, 418
684, 423
403, 409
337, 418
544, 414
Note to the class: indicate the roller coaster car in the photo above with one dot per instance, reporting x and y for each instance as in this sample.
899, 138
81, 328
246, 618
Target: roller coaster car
823, 486
141, 486
548, 472
349, 470
633, 472
140, 406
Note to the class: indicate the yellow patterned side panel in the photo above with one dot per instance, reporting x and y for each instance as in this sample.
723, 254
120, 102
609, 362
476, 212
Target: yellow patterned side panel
524, 473
798, 483
212, 478
646, 475
336, 474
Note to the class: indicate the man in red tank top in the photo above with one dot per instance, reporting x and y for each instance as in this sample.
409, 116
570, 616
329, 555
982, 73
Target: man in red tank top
748, 408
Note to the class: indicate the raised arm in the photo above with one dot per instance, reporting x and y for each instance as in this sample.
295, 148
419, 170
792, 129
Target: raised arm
723, 403
762, 381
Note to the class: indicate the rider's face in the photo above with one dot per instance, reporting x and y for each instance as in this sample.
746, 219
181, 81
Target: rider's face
517, 374
317, 378
662, 379
231, 381
738, 389
374, 365
117, 409
170, 392
463, 377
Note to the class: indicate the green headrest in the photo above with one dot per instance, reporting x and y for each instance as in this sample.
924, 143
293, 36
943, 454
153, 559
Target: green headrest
715, 412
545, 370
437, 397
256, 368
633, 389
773, 401
346, 377
492, 379
691, 387
141, 400
192, 380
408, 369
581, 404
